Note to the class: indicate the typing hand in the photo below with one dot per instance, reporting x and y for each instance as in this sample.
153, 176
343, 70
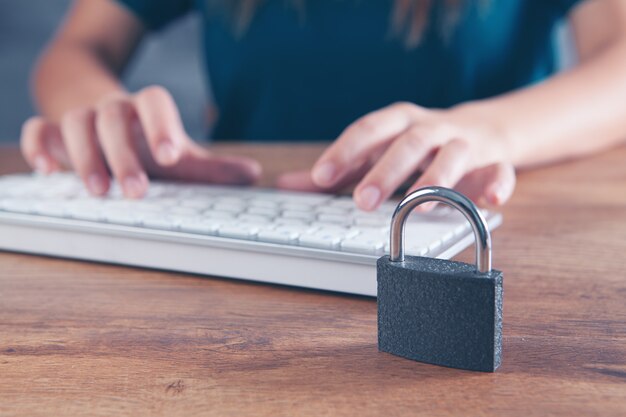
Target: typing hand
382, 150
133, 136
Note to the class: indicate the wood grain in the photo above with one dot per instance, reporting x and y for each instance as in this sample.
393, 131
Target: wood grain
79, 338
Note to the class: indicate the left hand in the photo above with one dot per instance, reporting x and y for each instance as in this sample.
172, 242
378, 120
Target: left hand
456, 148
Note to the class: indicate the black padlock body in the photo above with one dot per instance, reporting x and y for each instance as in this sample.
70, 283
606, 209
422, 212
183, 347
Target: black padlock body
440, 312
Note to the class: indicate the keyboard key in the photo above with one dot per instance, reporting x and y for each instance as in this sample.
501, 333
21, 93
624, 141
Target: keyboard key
164, 202
332, 210
238, 231
308, 199
50, 209
263, 211
416, 250
159, 222
302, 215
141, 206
218, 214
333, 229
155, 190
285, 222
334, 219
121, 217
410, 249
280, 235
91, 214
199, 205
427, 231
230, 208
200, 226
18, 205
360, 245
387, 208
372, 230
263, 203
326, 237
372, 220
322, 241
343, 202
297, 207
184, 211
254, 218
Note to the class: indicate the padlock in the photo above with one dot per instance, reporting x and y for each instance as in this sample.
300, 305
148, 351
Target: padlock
438, 311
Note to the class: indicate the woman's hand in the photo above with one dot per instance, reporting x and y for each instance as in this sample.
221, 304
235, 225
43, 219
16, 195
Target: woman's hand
132, 136
452, 148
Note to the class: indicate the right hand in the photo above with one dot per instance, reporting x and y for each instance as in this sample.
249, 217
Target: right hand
133, 136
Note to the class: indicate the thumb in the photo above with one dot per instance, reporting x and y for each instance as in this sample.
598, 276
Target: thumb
199, 165
492, 185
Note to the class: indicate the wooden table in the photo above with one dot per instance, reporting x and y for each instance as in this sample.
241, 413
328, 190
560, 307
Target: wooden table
78, 338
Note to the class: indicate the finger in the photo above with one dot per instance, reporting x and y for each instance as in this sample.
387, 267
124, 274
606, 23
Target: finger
114, 119
37, 139
57, 149
358, 140
199, 165
297, 181
79, 133
161, 124
401, 160
491, 185
302, 181
446, 170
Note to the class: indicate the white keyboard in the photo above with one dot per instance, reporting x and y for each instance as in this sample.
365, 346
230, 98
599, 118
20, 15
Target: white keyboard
301, 239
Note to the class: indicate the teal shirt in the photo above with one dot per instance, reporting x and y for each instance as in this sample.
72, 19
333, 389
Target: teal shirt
306, 75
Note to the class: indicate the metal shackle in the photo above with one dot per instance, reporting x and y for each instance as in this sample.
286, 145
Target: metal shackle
453, 199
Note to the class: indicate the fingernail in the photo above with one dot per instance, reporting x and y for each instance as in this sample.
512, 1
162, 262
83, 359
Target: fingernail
134, 186
166, 153
96, 184
498, 195
368, 198
42, 165
324, 174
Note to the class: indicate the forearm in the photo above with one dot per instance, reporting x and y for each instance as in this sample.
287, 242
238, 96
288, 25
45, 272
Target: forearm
84, 60
574, 113
59, 86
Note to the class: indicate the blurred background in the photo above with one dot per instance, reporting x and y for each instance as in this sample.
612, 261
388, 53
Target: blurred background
169, 58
